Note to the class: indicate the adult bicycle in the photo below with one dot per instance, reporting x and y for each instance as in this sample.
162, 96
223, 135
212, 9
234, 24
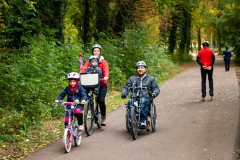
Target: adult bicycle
71, 132
92, 113
133, 111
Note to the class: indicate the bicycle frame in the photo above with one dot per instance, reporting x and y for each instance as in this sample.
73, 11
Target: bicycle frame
92, 98
71, 130
70, 124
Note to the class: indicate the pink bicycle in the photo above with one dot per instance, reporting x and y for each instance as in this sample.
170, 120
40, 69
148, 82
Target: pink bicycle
71, 130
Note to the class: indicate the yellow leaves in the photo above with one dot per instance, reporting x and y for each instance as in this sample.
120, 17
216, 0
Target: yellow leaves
214, 11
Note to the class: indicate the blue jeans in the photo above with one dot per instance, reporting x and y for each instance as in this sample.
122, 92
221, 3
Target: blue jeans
144, 112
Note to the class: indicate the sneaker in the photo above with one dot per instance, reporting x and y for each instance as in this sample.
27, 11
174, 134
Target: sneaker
80, 128
143, 124
103, 122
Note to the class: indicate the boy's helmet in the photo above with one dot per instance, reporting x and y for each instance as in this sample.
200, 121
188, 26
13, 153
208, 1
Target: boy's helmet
96, 46
141, 63
94, 57
205, 43
73, 75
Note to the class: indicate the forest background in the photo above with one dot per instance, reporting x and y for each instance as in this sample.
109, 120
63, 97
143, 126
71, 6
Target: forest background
40, 42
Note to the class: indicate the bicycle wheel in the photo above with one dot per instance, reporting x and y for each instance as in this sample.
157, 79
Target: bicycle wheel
128, 120
88, 117
77, 136
153, 115
134, 123
66, 140
98, 116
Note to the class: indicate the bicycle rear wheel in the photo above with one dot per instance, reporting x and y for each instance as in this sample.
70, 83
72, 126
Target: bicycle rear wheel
67, 140
89, 117
153, 115
134, 123
98, 116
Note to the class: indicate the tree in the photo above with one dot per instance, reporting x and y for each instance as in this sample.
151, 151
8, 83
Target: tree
102, 21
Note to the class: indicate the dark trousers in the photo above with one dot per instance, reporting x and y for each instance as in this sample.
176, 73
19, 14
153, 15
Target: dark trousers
227, 64
204, 74
101, 99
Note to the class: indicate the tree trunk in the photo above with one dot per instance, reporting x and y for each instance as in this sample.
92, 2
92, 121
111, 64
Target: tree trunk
86, 36
102, 17
199, 39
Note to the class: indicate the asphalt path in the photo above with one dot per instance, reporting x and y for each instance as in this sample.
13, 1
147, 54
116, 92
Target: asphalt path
188, 128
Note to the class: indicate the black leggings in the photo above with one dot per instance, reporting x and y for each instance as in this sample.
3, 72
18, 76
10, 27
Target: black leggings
101, 99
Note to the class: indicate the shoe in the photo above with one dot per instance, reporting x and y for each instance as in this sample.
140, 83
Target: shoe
211, 94
103, 122
95, 90
80, 128
143, 124
203, 96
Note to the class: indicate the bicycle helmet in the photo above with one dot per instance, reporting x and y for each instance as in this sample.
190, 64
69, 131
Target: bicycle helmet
73, 75
93, 57
141, 63
205, 43
96, 46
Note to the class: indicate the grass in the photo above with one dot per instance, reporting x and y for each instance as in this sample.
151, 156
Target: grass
53, 129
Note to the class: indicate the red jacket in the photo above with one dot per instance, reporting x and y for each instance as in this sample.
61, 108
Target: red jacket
206, 56
103, 65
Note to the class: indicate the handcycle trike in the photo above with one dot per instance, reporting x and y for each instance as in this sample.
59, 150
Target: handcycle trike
133, 111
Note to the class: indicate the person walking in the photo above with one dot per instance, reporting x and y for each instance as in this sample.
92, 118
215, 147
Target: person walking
206, 59
103, 65
226, 57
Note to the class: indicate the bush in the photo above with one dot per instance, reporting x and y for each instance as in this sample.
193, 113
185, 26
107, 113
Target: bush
32, 80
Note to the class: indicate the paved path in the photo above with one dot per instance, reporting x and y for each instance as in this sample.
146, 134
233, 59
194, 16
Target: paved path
188, 129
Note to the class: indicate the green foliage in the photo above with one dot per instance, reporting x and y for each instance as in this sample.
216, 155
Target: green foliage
32, 80
182, 58
122, 53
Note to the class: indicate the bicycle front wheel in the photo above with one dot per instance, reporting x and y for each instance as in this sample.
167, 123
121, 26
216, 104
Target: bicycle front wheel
67, 140
89, 117
134, 123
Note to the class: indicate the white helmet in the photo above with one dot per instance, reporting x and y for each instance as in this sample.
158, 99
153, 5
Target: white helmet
205, 43
96, 46
141, 63
73, 75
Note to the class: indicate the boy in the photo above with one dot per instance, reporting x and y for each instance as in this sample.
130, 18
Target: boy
93, 68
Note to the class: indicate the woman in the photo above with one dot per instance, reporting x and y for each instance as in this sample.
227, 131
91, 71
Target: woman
103, 65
